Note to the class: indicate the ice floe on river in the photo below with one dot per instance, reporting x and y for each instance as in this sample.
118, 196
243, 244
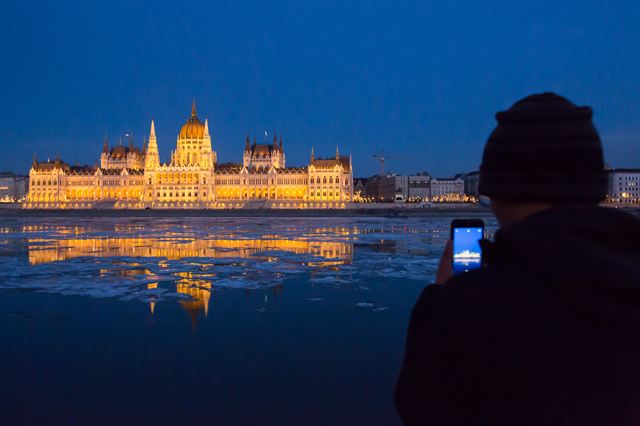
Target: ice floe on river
157, 259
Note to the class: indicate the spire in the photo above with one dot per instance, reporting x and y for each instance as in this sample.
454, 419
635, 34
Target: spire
193, 108
337, 154
105, 145
312, 154
206, 127
35, 161
151, 157
247, 144
275, 140
281, 143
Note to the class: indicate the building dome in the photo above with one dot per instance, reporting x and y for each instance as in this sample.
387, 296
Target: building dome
193, 128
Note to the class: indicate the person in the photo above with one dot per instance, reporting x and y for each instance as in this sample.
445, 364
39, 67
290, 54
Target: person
548, 331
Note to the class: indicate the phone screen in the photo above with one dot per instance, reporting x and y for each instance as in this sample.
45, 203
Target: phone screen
466, 249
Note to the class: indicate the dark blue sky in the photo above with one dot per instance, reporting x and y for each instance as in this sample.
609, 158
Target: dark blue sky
420, 80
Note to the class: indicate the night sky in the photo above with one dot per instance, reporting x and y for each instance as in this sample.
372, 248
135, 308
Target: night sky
420, 80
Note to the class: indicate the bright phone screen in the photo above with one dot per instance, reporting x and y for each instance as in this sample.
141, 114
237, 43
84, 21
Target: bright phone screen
466, 249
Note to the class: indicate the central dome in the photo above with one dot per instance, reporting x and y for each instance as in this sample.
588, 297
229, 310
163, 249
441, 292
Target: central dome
193, 128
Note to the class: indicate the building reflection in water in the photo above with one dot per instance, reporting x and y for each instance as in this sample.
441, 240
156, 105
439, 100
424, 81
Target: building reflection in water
68, 243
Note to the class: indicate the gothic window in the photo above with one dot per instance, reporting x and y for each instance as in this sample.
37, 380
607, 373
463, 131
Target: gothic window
330, 179
324, 179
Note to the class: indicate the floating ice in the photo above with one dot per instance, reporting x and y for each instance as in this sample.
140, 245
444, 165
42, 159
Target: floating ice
153, 259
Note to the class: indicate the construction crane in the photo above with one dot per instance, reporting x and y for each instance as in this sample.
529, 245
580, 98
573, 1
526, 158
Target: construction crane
382, 156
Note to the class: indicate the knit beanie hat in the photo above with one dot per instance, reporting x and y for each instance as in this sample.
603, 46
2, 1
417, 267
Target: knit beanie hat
544, 149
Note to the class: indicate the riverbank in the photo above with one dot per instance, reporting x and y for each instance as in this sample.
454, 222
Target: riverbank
368, 210
374, 211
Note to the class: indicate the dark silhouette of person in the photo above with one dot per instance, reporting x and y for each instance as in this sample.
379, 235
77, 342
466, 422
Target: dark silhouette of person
548, 332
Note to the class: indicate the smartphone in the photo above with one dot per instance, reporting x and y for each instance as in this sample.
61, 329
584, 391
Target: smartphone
466, 235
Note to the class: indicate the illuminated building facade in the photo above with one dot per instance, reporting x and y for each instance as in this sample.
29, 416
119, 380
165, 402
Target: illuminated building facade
13, 188
624, 186
130, 177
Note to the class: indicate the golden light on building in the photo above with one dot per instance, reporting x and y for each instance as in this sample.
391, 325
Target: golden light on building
134, 178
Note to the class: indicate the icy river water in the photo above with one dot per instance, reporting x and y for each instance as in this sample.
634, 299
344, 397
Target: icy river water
276, 321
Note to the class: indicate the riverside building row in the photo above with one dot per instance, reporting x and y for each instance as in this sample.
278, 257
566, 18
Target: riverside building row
624, 188
131, 177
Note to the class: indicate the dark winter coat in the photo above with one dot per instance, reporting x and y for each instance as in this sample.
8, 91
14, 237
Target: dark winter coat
547, 334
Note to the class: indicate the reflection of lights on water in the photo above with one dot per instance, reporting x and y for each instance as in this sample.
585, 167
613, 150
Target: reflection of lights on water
169, 247
175, 246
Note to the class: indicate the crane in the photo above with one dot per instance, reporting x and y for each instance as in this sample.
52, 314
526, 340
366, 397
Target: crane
383, 156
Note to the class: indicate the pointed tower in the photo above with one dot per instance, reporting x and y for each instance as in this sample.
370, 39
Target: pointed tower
337, 154
208, 156
246, 155
281, 144
105, 145
152, 157
312, 158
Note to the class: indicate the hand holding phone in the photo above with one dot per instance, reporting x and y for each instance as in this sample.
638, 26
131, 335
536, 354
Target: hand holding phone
466, 235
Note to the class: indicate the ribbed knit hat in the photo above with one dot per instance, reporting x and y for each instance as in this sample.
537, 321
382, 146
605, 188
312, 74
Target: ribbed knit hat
544, 149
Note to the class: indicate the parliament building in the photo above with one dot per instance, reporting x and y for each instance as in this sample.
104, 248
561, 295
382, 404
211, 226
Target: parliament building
134, 178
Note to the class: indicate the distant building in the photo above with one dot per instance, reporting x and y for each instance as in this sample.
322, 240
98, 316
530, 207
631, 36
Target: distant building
391, 185
13, 187
360, 189
624, 186
388, 188
471, 181
447, 189
419, 187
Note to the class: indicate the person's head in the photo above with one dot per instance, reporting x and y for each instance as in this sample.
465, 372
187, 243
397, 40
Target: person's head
544, 152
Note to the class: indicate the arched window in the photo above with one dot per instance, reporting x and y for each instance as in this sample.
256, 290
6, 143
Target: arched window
324, 179
330, 179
